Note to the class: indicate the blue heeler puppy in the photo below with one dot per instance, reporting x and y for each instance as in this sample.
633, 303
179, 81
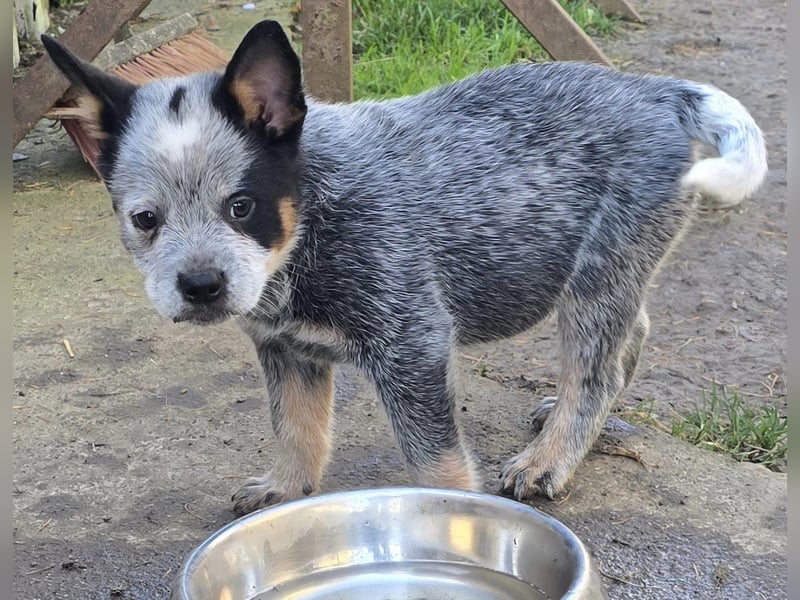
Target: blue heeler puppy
385, 234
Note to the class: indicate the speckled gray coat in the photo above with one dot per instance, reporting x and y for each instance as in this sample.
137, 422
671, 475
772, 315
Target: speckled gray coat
385, 234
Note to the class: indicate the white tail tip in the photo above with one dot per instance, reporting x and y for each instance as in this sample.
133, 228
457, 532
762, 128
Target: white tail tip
725, 181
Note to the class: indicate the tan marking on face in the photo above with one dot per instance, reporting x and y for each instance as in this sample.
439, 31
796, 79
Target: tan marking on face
279, 253
288, 218
453, 470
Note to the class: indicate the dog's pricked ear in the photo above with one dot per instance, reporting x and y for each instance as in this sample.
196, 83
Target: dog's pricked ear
103, 98
264, 79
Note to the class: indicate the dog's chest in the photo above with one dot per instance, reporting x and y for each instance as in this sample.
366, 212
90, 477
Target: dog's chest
313, 341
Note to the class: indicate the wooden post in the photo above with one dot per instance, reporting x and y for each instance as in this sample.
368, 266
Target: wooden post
328, 49
36, 14
555, 30
19, 20
619, 8
15, 45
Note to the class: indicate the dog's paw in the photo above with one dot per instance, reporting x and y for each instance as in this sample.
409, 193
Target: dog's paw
528, 475
258, 492
540, 413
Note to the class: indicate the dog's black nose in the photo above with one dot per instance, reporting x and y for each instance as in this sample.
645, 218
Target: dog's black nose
202, 287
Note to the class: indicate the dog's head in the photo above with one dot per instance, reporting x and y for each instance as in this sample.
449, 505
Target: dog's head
202, 172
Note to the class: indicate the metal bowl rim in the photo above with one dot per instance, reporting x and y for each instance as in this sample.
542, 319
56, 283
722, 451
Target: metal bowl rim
576, 548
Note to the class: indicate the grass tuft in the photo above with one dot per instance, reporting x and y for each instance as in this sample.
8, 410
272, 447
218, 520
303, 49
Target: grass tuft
402, 48
723, 423
641, 414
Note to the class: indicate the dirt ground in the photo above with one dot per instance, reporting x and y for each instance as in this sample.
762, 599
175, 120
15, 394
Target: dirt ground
125, 455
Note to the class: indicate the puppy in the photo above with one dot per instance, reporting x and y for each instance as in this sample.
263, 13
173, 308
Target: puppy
385, 234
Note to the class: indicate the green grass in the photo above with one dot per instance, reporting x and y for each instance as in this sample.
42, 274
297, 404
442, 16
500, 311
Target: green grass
641, 414
724, 424
402, 47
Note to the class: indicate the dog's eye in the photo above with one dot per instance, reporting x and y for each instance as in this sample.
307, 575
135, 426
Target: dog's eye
240, 208
145, 220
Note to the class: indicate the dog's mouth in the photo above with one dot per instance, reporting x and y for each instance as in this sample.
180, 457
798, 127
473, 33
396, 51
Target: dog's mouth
202, 316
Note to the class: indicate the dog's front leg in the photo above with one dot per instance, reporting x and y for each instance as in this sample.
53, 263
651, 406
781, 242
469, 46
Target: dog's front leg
301, 396
415, 387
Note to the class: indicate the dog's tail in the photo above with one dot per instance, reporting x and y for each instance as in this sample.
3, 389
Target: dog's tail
721, 121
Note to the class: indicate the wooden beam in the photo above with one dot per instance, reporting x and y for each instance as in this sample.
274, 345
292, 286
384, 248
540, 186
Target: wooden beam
555, 30
328, 49
144, 42
619, 8
86, 36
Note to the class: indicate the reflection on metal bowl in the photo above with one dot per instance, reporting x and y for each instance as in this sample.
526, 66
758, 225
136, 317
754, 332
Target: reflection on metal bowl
392, 544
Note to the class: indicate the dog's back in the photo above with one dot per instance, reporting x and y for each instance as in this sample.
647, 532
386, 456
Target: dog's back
492, 188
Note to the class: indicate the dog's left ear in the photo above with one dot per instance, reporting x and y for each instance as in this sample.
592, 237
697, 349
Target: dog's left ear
103, 99
264, 79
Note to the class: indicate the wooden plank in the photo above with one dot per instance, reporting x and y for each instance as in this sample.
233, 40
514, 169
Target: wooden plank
555, 30
145, 41
328, 49
619, 8
86, 36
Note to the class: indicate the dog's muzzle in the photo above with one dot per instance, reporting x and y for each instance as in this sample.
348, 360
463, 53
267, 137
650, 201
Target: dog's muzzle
205, 293
202, 287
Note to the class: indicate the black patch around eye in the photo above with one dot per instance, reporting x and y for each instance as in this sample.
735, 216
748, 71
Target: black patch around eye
177, 98
270, 182
262, 223
271, 178
240, 207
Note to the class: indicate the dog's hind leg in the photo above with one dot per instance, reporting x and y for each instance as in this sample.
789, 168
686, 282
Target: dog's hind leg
633, 346
601, 326
630, 360
301, 394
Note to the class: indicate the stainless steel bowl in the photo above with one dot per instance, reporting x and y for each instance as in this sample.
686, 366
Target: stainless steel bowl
392, 543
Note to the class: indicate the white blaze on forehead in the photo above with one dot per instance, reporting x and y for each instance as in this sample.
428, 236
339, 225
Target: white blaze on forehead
172, 139
173, 147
